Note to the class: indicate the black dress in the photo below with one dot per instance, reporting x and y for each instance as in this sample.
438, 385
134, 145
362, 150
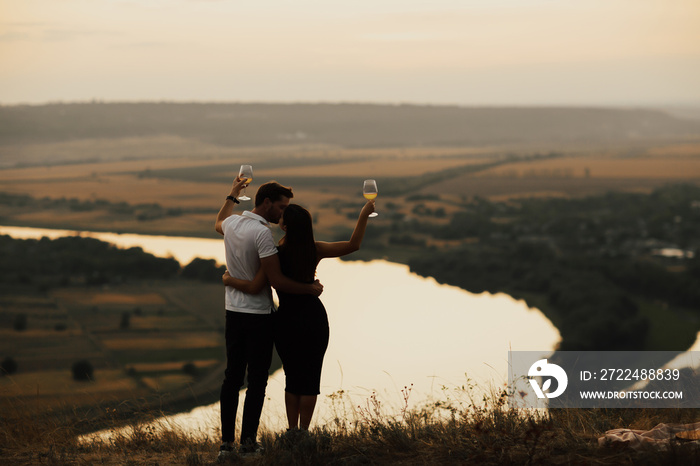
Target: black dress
301, 339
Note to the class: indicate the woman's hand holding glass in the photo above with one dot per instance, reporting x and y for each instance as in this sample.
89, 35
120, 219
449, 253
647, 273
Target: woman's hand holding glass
370, 192
368, 209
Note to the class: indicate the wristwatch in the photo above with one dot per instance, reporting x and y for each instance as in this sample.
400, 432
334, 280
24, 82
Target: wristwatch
233, 199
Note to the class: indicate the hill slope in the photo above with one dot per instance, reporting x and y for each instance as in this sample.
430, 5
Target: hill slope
349, 125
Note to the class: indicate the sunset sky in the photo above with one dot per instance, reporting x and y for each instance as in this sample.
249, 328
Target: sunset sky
469, 52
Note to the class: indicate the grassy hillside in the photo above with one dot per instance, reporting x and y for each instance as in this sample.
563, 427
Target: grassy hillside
455, 430
347, 125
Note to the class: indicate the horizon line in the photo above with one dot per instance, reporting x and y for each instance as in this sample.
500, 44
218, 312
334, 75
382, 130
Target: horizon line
96, 101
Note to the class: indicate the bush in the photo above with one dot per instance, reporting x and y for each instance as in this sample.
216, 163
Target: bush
82, 370
189, 369
205, 270
126, 321
20, 322
8, 366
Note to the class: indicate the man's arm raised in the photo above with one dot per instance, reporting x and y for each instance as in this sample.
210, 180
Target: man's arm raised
227, 209
271, 266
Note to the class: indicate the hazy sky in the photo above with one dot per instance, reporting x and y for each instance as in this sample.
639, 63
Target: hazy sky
469, 52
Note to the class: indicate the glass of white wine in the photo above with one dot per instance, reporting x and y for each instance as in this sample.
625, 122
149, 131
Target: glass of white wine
369, 190
246, 171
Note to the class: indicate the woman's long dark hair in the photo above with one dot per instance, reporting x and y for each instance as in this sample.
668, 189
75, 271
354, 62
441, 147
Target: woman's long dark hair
298, 248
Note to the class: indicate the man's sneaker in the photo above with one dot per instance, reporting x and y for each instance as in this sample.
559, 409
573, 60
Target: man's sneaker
250, 448
226, 452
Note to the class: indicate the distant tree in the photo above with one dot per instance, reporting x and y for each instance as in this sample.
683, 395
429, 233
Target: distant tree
82, 370
406, 240
93, 261
126, 320
203, 269
694, 264
20, 322
189, 369
8, 366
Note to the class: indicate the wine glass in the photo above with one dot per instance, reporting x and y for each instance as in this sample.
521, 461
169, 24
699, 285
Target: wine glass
246, 171
369, 190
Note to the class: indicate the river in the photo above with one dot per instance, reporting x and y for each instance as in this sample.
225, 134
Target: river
391, 331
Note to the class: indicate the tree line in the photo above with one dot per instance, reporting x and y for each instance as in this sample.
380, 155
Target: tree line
591, 258
75, 260
141, 212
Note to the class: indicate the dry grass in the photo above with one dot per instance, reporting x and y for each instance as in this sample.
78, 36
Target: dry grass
375, 167
159, 150
162, 323
28, 436
97, 297
32, 334
166, 382
171, 340
450, 431
676, 149
502, 188
60, 382
172, 365
678, 168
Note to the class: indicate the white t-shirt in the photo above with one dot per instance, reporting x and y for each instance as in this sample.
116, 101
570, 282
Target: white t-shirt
247, 239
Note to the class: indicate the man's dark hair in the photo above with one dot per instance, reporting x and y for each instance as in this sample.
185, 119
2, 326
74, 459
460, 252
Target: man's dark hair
272, 190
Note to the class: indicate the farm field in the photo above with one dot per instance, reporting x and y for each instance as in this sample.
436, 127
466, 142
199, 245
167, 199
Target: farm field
191, 178
140, 340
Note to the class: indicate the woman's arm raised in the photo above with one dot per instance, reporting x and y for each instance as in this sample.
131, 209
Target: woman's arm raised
342, 248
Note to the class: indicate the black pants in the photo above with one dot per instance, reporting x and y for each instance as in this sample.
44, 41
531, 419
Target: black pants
248, 346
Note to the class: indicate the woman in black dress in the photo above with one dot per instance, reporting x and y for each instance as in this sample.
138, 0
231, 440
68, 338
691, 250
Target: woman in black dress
301, 329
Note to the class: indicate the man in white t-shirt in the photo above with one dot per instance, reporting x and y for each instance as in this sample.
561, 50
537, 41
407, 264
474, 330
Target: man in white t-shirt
249, 332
